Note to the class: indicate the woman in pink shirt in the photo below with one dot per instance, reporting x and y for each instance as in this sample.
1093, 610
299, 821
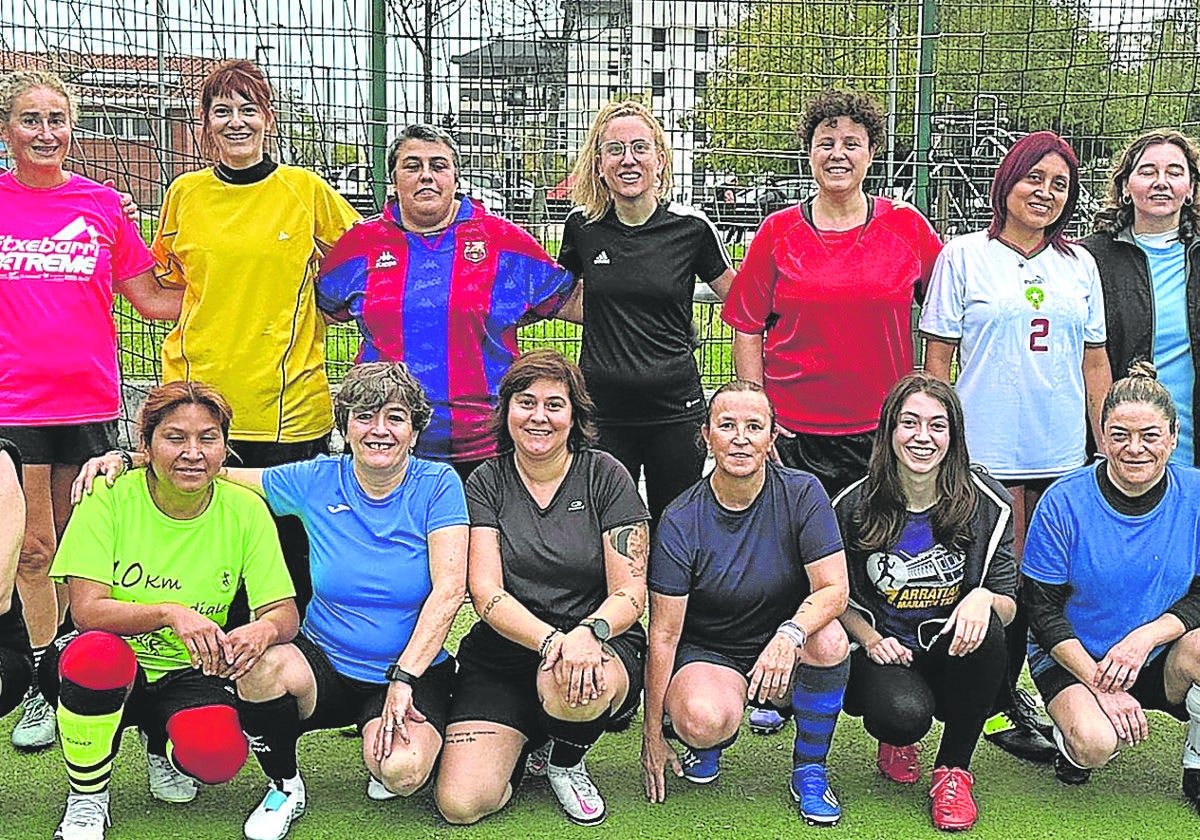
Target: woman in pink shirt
65, 247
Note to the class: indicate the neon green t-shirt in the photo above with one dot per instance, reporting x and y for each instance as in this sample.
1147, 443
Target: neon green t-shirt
119, 538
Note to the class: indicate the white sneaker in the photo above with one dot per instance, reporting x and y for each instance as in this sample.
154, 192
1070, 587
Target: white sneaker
378, 791
35, 731
85, 818
538, 760
167, 784
580, 799
277, 811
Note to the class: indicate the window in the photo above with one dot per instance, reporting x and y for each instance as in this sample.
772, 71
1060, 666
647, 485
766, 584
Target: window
701, 40
701, 83
658, 39
658, 83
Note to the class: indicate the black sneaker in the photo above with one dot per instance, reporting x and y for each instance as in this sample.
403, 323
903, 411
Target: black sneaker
1070, 774
1191, 786
1024, 707
1016, 731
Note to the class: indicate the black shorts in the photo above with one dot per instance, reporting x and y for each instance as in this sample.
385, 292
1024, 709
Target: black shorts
687, 652
836, 460
497, 681
343, 700
70, 445
16, 674
150, 704
1149, 690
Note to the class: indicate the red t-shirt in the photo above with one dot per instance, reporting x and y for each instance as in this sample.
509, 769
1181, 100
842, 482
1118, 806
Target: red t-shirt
839, 305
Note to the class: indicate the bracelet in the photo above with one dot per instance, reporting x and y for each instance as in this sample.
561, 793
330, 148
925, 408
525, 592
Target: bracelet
546, 643
126, 459
397, 674
793, 631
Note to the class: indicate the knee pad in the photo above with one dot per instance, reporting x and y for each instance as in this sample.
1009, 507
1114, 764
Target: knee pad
98, 661
206, 742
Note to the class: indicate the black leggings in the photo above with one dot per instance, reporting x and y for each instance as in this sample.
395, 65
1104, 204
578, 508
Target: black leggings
670, 455
898, 704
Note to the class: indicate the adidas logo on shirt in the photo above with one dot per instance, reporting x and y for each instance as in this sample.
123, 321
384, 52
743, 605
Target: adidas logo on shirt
602, 259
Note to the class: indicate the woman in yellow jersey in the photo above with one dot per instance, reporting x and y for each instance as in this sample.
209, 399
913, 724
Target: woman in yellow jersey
242, 238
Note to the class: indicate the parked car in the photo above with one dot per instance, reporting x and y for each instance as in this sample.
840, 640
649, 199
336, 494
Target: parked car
735, 210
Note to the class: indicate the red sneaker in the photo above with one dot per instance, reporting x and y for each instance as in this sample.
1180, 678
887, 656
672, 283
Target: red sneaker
953, 808
900, 764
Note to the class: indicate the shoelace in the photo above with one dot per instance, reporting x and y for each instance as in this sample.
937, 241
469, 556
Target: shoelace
947, 787
85, 813
36, 712
908, 756
813, 783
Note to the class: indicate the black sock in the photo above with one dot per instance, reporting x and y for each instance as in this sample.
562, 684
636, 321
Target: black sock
273, 728
573, 738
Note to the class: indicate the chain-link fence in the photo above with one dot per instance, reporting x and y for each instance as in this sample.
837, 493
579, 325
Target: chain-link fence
518, 81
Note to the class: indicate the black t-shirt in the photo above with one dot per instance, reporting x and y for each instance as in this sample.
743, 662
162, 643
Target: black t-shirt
553, 558
13, 634
637, 309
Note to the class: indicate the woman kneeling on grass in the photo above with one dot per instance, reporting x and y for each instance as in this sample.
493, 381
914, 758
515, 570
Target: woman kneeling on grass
932, 583
1112, 587
557, 573
132, 557
389, 542
747, 577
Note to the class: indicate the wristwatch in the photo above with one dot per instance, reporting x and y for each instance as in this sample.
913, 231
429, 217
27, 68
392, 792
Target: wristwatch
599, 627
397, 674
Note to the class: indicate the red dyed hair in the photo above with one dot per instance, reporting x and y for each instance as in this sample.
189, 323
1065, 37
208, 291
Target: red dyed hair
227, 78
1021, 158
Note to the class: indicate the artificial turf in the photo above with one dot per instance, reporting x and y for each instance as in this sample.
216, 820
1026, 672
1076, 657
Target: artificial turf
1136, 796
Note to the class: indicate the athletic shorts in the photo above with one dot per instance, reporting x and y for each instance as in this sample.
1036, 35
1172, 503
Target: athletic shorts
343, 700
150, 704
1150, 689
687, 652
16, 674
70, 445
497, 681
836, 460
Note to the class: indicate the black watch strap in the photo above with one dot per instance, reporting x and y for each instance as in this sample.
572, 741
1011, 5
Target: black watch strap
397, 674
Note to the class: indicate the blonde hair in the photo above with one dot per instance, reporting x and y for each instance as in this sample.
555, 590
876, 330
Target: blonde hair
590, 191
15, 84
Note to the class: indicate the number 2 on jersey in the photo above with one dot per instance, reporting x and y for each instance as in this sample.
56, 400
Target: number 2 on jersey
1039, 328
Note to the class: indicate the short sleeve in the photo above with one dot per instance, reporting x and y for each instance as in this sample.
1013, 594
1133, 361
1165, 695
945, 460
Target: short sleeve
929, 248
568, 249
672, 555
751, 297
86, 549
286, 486
818, 535
263, 569
1094, 331
942, 316
168, 268
332, 216
130, 255
1047, 546
615, 494
712, 260
483, 495
343, 274
447, 501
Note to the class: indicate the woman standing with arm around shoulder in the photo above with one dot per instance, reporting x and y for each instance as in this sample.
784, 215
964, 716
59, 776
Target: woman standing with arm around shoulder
932, 584
243, 238
1024, 308
639, 254
1148, 253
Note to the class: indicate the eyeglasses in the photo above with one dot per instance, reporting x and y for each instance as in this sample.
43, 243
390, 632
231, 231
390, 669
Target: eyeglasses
616, 149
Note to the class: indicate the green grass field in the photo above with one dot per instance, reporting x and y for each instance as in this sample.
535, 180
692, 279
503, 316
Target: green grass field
1135, 798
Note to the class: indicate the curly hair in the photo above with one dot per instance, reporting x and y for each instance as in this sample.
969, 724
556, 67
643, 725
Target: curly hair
879, 521
831, 104
372, 385
590, 192
551, 365
1019, 162
15, 84
1118, 215
236, 76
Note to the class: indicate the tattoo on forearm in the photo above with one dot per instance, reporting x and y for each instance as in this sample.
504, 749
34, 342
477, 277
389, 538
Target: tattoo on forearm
491, 605
621, 593
632, 542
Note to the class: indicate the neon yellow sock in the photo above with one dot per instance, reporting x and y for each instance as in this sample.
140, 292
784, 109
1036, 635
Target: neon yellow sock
88, 745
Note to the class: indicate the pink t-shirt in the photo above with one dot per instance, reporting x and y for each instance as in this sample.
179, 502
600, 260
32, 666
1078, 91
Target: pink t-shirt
61, 252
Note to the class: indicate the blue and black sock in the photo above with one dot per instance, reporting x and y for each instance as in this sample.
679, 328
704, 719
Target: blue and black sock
816, 703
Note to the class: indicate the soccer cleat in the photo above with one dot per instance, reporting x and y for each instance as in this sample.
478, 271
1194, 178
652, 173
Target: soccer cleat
37, 726
378, 791
538, 760
1068, 772
167, 784
1020, 731
276, 813
768, 721
85, 817
953, 808
1191, 786
900, 764
700, 767
818, 803
577, 794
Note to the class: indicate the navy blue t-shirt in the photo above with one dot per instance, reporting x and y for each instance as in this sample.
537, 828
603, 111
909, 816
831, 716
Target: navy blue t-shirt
743, 571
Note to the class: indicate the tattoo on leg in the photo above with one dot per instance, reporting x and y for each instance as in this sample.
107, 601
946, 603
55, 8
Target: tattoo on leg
469, 737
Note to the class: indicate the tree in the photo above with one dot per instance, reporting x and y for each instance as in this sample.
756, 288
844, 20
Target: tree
417, 20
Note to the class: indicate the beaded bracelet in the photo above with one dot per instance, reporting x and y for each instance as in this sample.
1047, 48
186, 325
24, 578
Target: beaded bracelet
546, 643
